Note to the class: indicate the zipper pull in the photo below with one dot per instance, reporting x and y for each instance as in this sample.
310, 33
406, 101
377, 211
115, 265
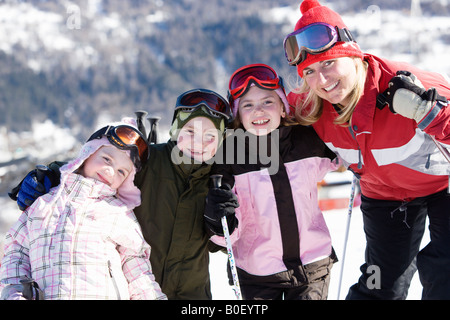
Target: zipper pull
359, 159
109, 269
427, 165
116, 288
359, 149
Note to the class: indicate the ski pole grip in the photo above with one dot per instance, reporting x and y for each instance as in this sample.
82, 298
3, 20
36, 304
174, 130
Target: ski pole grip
140, 116
216, 180
40, 172
153, 134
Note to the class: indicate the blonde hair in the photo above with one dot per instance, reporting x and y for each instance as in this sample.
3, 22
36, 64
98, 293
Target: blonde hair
309, 110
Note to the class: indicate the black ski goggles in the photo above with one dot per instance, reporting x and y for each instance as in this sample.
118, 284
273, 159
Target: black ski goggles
191, 100
313, 39
126, 137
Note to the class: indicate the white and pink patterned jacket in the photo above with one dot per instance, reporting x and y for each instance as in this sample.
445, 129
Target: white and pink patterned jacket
81, 241
90, 248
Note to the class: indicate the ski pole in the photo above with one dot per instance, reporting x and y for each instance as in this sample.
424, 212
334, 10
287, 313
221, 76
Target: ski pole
446, 155
217, 182
40, 172
140, 116
347, 230
153, 133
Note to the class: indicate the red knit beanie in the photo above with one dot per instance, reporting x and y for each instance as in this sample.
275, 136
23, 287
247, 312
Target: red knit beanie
313, 12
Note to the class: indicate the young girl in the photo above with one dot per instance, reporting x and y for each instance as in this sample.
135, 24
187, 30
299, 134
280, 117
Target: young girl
281, 243
403, 174
81, 240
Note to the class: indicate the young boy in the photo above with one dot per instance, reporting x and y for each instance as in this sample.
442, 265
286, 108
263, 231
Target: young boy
174, 183
81, 240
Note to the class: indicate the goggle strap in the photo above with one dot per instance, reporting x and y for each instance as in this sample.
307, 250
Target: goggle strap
99, 133
107, 130
280, 82
345, 35
211, 111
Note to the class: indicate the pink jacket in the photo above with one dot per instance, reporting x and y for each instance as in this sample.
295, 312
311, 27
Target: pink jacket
278, 213
81, 241
83, 245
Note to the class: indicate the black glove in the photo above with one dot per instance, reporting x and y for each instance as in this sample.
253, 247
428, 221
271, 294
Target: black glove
407, 96
221, 202
31, 290
35, 185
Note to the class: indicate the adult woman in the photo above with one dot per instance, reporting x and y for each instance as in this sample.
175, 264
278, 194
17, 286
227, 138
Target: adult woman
403, 175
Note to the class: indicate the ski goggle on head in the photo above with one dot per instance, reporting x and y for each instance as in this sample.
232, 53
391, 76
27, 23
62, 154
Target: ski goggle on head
126, 137
216, 105
313, 39
261, 75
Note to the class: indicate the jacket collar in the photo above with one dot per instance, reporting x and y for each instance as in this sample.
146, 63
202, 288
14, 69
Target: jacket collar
186, 168
362, 119
79, 186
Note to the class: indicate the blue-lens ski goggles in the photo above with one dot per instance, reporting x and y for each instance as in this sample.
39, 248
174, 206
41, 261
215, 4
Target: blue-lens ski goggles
313, 39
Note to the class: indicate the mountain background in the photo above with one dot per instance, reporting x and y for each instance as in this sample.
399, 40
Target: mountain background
68, 66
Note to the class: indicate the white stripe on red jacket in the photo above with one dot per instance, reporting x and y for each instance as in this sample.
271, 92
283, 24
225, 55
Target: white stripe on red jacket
395, 157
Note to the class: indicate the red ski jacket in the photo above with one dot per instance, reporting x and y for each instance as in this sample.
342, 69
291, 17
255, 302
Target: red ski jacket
394, 156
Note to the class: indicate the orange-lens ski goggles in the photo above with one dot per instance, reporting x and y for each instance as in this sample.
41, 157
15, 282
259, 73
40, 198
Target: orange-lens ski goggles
126, 137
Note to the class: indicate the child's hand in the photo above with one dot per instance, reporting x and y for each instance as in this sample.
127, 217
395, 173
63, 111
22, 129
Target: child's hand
33, 186
12, 292
221, 202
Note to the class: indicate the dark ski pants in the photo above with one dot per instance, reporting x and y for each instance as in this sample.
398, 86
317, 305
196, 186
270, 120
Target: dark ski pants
393, 234
313, 284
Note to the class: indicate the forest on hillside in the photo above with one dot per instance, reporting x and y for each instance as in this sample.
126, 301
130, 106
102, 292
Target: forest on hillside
139, 54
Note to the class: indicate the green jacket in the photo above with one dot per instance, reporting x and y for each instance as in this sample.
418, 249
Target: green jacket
171, 217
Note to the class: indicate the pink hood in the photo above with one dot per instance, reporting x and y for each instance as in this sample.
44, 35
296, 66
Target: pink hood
127, 192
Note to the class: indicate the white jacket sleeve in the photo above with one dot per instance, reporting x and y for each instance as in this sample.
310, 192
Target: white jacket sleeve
16, 261
135, 256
